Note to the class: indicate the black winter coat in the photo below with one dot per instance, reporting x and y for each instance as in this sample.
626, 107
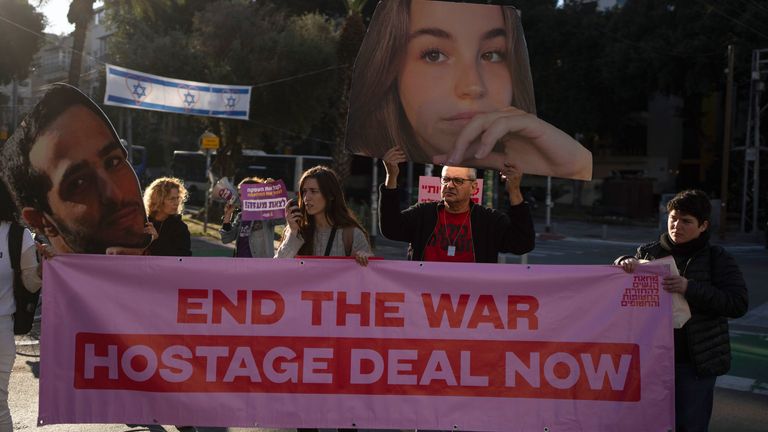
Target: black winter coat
716, 291
492, 230
173, 240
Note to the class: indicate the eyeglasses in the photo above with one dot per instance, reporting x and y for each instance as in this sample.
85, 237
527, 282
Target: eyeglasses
458, 181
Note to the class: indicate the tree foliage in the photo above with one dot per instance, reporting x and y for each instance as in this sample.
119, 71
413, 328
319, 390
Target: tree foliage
245, 44
289, 59
17, 45
594, 71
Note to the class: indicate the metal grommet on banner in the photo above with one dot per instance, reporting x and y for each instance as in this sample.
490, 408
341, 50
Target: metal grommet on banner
527, 267
301, 262
180, 260
546, 429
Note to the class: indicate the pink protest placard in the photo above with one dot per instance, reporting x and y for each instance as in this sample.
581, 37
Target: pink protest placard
331, 344
429, 190
263, 201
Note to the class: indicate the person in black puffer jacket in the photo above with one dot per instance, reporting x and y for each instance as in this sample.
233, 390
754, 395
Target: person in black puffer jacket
711, 282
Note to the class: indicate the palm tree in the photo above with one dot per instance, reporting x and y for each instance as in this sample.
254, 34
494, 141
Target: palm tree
350, 39
80, 14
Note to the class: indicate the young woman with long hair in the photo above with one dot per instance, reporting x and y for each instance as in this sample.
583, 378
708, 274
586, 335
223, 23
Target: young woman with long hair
322, 223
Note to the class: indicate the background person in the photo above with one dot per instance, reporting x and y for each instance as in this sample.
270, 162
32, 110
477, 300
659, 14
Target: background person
711, 282
253, 239
31, 280
322, 224
455, 229
164, 200
69, 176
450, 84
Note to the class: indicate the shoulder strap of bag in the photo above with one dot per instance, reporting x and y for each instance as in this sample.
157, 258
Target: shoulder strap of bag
329, 245
15, 233
348, 237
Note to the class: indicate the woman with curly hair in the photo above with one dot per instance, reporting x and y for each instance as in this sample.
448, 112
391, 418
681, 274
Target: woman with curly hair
164, 200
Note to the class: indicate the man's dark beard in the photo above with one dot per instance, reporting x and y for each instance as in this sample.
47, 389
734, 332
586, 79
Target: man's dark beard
80, 240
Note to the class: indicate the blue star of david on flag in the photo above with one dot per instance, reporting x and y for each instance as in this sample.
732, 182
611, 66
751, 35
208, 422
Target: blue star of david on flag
189, 98
139, 90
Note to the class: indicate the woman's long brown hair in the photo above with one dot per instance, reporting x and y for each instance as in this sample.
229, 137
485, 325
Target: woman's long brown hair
336, 210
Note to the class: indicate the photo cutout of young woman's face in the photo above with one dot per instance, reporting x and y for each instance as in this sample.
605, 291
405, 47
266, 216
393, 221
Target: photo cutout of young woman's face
454, 67
449, 83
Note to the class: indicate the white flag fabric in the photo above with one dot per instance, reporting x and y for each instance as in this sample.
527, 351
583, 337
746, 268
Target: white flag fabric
133, 89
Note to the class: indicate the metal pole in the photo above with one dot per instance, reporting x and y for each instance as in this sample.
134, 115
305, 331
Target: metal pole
488, 187
747, 198
375, 200
726, 144
548, 224
758, 148
207, 191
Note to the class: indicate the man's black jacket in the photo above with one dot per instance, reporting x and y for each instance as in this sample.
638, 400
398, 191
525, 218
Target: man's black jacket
492, 230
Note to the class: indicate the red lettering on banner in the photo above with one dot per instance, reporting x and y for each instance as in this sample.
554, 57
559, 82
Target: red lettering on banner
236, 310
371, 366
363, 309
187, 309
484, 311
644, 292
386, 314
200, 306
317, 298
257, 312
444, 309
529, 313
479, 315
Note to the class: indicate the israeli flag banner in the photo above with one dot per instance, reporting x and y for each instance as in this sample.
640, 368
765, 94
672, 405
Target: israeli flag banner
133, 89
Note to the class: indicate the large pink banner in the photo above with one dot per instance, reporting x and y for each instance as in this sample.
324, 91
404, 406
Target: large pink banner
327, 343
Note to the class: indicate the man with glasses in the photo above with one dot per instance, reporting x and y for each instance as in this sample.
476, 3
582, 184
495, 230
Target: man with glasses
455, 229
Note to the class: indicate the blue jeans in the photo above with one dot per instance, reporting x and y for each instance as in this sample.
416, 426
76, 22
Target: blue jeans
693, 399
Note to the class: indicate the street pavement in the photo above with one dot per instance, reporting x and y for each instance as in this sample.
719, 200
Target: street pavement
741, 397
